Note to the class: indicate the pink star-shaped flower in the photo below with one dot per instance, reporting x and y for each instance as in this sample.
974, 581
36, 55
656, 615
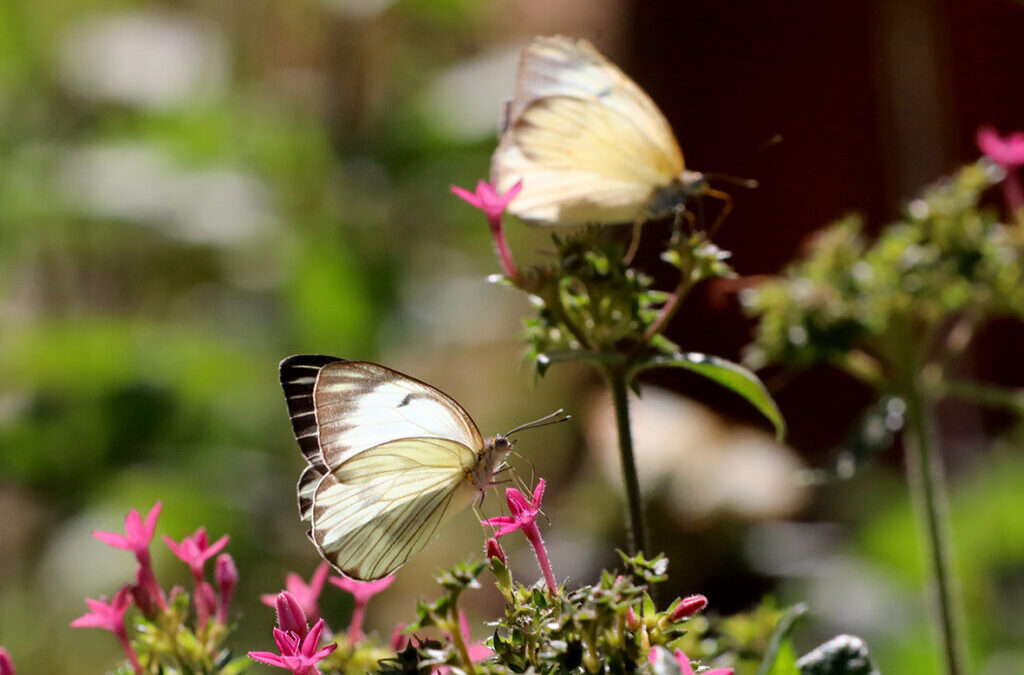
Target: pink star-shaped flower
299, 655
487, 199
524, 517
137, 534
110, 616
361, 592
195, 550
1006, 151
307, 595
136, 538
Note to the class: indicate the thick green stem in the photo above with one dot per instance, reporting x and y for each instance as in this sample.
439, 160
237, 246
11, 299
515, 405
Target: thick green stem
927, 486
636, 528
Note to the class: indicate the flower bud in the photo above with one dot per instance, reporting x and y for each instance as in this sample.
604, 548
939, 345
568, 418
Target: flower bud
227, 576
206, 603
632, 620
687, 607
493, 550
398, 639
290, 616
6, 665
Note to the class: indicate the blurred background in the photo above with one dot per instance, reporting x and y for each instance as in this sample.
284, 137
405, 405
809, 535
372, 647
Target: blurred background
191, 190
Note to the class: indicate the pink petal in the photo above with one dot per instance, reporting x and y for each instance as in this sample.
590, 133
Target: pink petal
498, 520
538, 493
316, 582
517, 503
176, 548
312, 639
508, 529
290, 616
511, 194
684, 663
324, 652
287, 642
216, 547
467, 196
269, 658
133, 526
151, 517
113, 539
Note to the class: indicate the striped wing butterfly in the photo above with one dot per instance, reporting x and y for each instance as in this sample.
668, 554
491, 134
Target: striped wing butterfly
390, 460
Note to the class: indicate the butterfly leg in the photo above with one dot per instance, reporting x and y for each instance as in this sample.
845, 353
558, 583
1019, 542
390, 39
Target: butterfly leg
726, 200
634, 243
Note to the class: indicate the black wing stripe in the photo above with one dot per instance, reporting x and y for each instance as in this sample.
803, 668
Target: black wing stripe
298, 377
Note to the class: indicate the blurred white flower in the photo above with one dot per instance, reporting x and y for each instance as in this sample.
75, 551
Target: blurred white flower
152, 59
137, 183
704, 465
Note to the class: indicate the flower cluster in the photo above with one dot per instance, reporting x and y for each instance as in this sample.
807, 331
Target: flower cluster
158, 635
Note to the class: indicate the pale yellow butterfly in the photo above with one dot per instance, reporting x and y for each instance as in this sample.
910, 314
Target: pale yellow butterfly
390, 460
587, 143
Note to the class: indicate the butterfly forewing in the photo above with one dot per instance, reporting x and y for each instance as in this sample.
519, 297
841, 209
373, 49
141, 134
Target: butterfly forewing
376, 510
360, 405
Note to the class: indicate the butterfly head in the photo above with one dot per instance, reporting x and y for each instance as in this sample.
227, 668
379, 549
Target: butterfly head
666, 200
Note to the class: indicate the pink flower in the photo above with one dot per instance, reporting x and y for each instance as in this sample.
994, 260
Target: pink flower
137, 534
306, 595
194, 551
684, 664
687, 607
6, 665
110, 616
524, 516
299, 655
136, 538
227, 577
493, 205
1007, 152
361, 591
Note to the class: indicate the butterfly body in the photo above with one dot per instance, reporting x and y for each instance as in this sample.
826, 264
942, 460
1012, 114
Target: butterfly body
390, 460
587, 143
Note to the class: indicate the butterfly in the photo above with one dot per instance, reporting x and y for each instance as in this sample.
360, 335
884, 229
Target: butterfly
589, 146
390, 460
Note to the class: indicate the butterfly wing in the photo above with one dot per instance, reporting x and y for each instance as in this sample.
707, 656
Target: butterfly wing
382, 506
589, 145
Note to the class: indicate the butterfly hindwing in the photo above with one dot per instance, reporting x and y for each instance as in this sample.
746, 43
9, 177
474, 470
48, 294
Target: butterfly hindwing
376, 510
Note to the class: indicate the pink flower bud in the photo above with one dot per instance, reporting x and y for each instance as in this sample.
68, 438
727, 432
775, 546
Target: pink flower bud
687, 607
290, 617
227, 576
632, 620
143, 599
398, 639
206, 603
6, 665
493, 550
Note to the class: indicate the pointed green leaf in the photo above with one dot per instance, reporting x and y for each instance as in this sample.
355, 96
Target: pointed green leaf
780, 639
728, 374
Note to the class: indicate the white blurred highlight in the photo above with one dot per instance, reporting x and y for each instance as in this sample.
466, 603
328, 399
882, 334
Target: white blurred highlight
705, 465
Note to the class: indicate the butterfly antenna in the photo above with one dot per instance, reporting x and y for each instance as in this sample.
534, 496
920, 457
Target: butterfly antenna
542, 422
749, 183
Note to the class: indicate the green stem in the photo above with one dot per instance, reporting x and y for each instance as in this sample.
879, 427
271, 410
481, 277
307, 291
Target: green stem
460, 642
636, 528
927, 486
1010, 400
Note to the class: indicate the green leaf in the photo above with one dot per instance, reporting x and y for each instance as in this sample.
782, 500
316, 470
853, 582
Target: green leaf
785, 661
779, 641
842, 655
728, 374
